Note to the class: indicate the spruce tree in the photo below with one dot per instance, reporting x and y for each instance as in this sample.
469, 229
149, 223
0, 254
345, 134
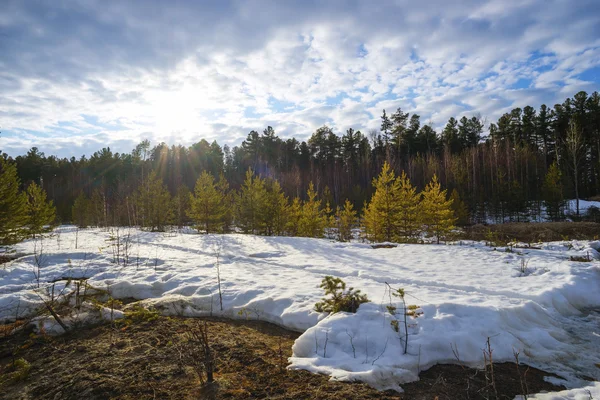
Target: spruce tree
313, 220
207, 208
409, 210
438, 216
81, 211
381, 218
13, 204
345, 221
251, 203
552, 192
40, 212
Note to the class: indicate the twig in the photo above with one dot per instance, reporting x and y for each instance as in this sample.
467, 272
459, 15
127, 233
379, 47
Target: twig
383, 351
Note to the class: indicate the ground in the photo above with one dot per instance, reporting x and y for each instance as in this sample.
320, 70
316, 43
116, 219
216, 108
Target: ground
141, 361
538, 299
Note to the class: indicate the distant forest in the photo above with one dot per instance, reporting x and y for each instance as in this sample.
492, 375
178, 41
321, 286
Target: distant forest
501, 177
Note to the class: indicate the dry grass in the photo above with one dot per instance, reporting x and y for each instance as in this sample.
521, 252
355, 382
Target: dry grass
142, 362
534, 232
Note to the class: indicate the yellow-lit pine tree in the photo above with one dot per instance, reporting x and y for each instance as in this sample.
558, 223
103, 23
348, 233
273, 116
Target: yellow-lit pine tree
345, 221
461, 212
207, 208
381, 217
228, 203
329, 218
294, 216
251, 203
275, 213
41, 213
438, 216
552, 193
313, 220
409, 210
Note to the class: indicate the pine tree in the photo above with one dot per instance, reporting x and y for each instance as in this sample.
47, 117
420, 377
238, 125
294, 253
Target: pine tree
386, 126
207, 206
461, 212
329, 218
81, 211
313, 220
228, 203
345, 221
98, 211
552, 192
12, 204
438, 216
181, 205
40, 212
327, 196
409, 210
154, 203
381, 218
251, 203
294, 216
275, 212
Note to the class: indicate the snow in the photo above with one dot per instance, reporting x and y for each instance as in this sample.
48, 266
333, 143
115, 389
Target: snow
466, 292
538, 212
585, 393
584, 205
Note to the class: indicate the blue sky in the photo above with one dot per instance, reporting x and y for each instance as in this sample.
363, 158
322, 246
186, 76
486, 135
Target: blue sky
76, 76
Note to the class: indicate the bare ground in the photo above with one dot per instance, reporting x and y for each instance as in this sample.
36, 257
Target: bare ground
142, 361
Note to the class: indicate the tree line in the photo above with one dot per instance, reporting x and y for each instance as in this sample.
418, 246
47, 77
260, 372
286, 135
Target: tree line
395, 213
529, 157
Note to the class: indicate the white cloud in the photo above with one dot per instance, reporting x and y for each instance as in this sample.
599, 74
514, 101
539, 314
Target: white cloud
218, 70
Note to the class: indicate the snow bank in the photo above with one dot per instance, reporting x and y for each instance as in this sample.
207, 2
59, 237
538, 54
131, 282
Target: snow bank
585, 393
467, 292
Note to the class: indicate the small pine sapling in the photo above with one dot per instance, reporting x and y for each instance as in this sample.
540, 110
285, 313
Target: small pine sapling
412, 311
340, 299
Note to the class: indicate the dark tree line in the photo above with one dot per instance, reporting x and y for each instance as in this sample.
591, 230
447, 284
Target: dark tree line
502, 176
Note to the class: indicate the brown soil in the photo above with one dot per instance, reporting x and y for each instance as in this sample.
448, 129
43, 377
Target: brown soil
141, 361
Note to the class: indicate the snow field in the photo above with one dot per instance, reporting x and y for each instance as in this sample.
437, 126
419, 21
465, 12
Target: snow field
466, 291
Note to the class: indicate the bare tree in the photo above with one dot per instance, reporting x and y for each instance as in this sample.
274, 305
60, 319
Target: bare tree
217, 249
39, 259
575, 148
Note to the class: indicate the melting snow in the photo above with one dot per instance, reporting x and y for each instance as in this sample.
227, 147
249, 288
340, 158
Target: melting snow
466, 291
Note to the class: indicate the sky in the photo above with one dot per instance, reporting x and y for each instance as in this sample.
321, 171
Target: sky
76, 76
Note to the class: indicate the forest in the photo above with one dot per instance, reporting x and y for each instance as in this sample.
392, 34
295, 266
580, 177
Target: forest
524, 169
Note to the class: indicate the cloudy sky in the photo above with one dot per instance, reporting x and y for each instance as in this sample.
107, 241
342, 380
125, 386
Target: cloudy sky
76, 76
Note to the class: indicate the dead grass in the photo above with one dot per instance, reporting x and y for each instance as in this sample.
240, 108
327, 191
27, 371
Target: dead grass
534, 232
142, 362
